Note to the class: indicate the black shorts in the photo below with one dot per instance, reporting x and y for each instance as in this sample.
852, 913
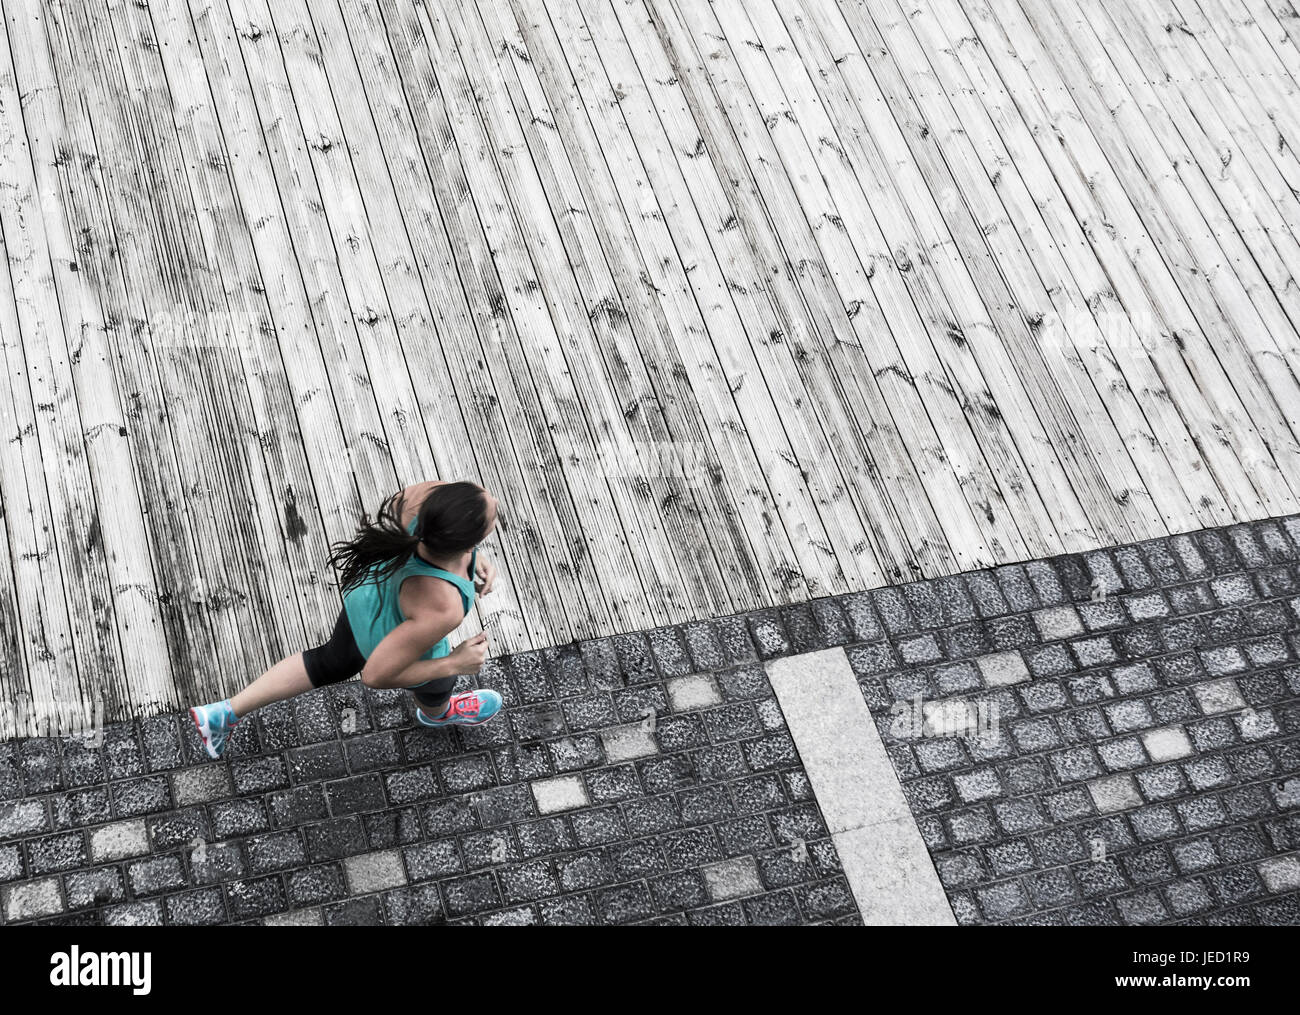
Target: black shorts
338, 659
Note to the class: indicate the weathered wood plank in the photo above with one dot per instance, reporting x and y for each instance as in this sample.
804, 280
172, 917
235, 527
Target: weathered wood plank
694, 499
1239, 63
613, 553
712, 450
732, 304
83, 345
738, 320
623, 411
45, 438
449, 385
212, 339
1174, 331
1005, 374
927, 344
1075, 304
142, 255
1218, 304
45, 681
544, 514
276, 438
864, 275
809, 314
1253, 272
1122, 450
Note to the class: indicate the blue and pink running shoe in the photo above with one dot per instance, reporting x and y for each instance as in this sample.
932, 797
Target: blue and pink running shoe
469, 708
214, 723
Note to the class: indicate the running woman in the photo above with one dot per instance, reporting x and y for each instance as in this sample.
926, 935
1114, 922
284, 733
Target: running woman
409, 578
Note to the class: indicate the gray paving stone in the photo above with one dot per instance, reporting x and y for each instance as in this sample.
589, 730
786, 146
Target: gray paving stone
312, 886
1123, 754
624, 903
147, 795
317, 761
56, 853
979, 784
441, 858
571, 753
201, 784
204, 907
155, 875
31, 899
274, 852
1114, 793
309, 917
1218, 696
95, 887
1003, 668
732, 879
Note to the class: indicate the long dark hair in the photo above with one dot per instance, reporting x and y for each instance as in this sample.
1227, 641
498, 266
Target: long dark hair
452, 519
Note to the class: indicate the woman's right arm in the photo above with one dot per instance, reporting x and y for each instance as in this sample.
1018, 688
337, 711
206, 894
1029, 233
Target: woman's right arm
400, 649
396, 661
466, 658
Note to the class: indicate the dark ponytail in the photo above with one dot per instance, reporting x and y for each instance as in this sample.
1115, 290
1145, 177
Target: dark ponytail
383, 544
452, 519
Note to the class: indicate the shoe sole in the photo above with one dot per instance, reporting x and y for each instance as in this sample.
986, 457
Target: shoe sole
205, 737
443, 725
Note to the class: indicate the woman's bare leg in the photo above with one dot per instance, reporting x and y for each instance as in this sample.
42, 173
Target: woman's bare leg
285, 679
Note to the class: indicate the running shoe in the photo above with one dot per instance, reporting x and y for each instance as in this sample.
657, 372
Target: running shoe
214, 723
466, 709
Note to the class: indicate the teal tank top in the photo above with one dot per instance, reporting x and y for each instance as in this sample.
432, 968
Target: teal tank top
373, 609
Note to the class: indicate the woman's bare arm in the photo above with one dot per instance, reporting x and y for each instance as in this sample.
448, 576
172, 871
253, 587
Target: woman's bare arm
432, 611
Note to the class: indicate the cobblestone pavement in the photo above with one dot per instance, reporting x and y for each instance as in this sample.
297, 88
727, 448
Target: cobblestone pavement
1145, 768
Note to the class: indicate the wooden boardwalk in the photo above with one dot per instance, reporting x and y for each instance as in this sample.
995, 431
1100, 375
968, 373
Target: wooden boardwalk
732, 304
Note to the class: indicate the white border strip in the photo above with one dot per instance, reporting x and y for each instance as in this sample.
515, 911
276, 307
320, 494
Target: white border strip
879, 845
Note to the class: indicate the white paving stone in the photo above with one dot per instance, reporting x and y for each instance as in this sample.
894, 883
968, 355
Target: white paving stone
200, 784
837, 739
1167, 743
1257, 725
1115, 793
113, 842
696, 691
1003, 668
33, 899
374, 872
1058, 622
562, 793
295, 918
891, 875
1281, 873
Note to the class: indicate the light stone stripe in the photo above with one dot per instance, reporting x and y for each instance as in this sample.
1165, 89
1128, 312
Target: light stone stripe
879, 845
